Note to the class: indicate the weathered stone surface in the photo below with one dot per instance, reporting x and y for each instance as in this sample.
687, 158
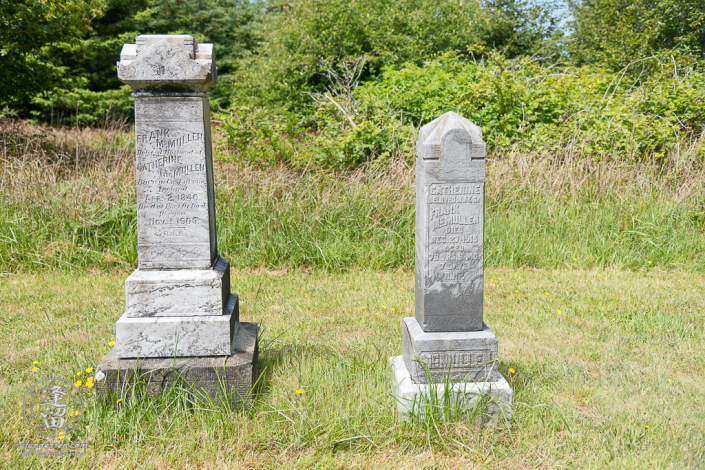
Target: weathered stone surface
450, 197
165, 64
202, 335
488, 403
178, 301
228, 380
175, 197
465, 356
448, 351
175, 293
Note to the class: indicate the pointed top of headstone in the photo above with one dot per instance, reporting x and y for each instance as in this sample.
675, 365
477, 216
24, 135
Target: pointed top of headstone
166, 64
433, 134
450, 187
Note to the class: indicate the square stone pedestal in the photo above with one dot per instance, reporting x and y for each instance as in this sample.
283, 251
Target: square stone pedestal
485, 403
182, 336
461, 356
228, 380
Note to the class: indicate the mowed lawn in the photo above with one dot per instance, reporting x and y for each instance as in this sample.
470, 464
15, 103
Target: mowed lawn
609, 374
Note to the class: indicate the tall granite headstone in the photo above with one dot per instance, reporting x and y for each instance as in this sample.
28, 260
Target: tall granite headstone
447, 341
178, 301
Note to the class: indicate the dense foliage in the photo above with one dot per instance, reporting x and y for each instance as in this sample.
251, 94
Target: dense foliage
25, 27
84, 84
338, 83
617, 33
520, 104
307, 40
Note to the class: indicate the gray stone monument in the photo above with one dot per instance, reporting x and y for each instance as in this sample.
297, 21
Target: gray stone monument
180, 315
447, 343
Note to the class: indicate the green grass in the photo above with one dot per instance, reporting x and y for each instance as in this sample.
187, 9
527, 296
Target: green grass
277, 218
588, 380
73, 208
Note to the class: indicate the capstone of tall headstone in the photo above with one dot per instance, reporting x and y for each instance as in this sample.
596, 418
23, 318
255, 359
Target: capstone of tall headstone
446, 343
178, 302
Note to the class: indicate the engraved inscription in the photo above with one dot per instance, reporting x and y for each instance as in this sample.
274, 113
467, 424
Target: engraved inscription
457, 360
455, 231
172, 184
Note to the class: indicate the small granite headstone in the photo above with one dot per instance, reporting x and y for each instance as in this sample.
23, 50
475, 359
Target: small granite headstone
178, 301
447, 343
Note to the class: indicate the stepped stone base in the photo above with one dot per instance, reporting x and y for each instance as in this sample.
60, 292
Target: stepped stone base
487, 403
463, 356
229, 380
179, 292
198, 335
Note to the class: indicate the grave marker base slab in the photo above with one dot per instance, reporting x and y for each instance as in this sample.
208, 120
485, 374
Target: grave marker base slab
486, 403
184, 336
228, 380
461, 355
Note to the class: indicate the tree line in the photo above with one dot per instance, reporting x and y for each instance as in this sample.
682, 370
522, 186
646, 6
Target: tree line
320, 71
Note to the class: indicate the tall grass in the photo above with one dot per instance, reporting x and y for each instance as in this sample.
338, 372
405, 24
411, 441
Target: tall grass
67, 201
59, 188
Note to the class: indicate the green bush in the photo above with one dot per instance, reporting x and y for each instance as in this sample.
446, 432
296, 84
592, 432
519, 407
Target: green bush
521, 104
617, 33
62, 75
303, 40
25, 27
82, 106
527, 105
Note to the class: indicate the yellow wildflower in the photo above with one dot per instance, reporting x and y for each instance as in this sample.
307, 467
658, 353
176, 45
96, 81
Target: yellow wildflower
112, 343
78, 383
34, 369
301, 390
35, 362
89, 382
512, 371
119, 400
89, 370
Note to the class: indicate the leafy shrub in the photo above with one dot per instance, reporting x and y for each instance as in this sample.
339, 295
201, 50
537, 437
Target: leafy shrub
530, 106
80, 105
302, 40
521, 104
615, 33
